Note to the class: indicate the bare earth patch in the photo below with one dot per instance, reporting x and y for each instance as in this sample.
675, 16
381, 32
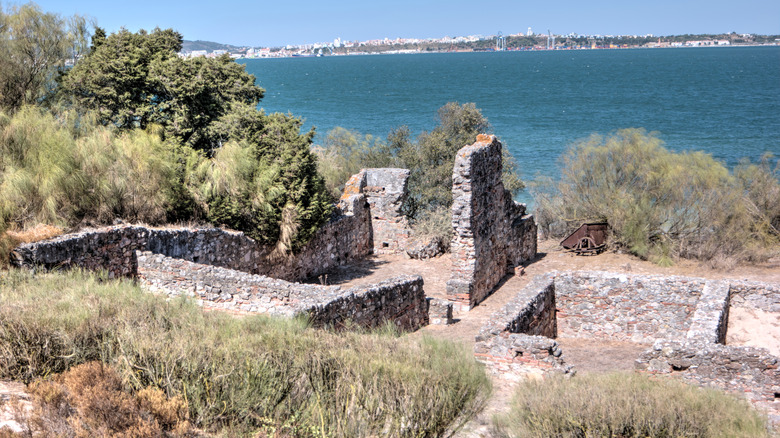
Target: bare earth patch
754, 328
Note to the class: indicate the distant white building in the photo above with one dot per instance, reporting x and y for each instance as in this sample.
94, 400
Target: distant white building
198, 53
530, 32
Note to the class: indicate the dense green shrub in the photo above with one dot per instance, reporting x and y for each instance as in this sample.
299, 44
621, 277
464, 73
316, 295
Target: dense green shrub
660, 204
237, 375
626, 406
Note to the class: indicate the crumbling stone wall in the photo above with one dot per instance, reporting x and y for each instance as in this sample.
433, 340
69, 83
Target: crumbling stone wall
345, 238
385, 190
400, 300
517, 340
491, 231
628, 308
756, 295
751, 372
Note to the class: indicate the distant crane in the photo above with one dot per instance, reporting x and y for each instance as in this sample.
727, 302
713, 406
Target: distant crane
500, 42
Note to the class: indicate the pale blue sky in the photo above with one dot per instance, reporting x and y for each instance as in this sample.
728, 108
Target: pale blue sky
278, 22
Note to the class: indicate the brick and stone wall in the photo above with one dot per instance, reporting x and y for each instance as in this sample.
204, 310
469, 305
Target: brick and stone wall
751, 372
345, 238
622, 307
385, 190
491, 230
400, 299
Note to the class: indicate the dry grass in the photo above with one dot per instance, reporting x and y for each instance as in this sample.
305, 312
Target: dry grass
35, 234
624, 405
238, 376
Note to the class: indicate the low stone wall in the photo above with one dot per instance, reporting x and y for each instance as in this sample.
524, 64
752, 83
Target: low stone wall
491, 230
517, 339
532, 312
710, 320
439, 311
345, 238
754, 295
747, 371
628, 308
401, 299
516, 356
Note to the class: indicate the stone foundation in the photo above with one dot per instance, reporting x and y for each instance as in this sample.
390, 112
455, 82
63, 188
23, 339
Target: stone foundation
686, 319
400, 300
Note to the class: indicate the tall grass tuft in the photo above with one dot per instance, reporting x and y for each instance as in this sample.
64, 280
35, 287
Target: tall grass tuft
238, 376
626, 405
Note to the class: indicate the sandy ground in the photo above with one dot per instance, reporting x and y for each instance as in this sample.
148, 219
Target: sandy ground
755, 328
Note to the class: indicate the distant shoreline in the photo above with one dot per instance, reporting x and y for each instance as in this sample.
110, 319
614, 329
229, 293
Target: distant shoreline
416, 52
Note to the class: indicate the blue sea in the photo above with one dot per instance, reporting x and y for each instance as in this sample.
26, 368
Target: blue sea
725, 101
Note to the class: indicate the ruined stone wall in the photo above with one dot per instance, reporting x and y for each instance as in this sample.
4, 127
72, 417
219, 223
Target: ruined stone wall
755, 295
400, 300
751, 372
490, 231
622, 307
385, 190
345, 238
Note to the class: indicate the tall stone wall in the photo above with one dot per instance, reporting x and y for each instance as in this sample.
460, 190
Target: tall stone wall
400, 299
345, 238
491, 231
385, 190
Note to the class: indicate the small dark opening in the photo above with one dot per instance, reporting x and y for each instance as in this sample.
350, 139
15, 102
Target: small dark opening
385, 244
777, 395
679, 368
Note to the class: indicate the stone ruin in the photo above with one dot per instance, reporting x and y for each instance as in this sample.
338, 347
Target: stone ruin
492, 233
682, 320
230, 271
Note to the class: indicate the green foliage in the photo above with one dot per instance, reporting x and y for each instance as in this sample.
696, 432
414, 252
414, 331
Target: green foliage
133, 80
238, 375
430, 157
72, 171
344, 153
34, 47
626, 405
266, 185
660, 204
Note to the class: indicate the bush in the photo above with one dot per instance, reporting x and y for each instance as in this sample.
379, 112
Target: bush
238, 375
626, 405
660, 204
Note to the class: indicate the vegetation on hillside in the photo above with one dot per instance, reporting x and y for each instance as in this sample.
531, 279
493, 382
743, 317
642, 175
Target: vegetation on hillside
662, 205
626, 405
237, 376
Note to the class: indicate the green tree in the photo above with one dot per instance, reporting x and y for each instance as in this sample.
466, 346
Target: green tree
432, 157
133, 80
34, 47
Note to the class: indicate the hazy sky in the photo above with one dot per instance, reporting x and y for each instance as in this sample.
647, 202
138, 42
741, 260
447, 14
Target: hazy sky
279, 22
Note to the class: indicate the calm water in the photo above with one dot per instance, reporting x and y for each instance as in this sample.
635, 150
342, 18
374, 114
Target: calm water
725, 101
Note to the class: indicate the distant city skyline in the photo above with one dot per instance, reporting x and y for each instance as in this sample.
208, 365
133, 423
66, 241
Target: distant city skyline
269, 24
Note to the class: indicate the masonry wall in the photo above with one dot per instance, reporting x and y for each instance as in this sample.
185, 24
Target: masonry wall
751, 372
345, 238
490, 230
400, 300
385, 190
755, 295
621, 307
